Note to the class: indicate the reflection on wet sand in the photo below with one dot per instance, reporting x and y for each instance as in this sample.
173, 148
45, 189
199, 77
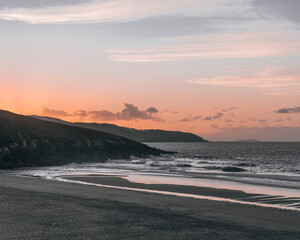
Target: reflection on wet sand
288, 199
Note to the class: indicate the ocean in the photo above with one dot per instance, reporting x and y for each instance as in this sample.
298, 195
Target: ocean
269, 170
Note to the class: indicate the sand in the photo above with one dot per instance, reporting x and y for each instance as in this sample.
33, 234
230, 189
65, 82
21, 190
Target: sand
32, 208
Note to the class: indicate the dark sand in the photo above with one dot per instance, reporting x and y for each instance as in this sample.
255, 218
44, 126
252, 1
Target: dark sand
32, 208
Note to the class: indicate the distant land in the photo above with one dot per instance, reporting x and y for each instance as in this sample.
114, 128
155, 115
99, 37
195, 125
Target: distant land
248, 140
153, 135
30, 142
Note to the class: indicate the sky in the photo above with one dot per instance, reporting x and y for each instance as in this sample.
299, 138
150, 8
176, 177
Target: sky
222, 69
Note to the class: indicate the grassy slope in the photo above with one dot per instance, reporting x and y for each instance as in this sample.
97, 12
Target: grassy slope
26, 142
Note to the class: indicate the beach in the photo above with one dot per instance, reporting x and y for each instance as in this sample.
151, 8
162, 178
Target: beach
34, 208
149, 120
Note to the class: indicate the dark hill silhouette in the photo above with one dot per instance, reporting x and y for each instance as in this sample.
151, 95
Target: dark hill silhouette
134, 134
27, 142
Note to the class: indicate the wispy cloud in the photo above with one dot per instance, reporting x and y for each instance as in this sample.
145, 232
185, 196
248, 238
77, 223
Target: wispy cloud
227, 46
130, 112
262, 120
11, 4
231, 109
269, 81
288, 10
97, 11
125, 10
190, 119
216, 116
288, 110
56, 113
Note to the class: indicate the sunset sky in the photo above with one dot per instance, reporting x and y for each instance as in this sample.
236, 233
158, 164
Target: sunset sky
222, 69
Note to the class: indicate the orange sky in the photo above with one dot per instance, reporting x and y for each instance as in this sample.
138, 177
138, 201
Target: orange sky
219, 70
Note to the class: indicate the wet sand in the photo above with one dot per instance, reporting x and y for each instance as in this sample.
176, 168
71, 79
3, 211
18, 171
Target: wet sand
263, 196
33, 208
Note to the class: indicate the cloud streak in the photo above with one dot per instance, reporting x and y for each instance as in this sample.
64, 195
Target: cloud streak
56, 113
97, 11
269, 81
216, 116
129, 113
288, 10
288, 110
226, 46
11, 4
190, 119
123, 10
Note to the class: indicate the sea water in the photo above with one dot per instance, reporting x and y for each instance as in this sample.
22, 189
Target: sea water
271, 169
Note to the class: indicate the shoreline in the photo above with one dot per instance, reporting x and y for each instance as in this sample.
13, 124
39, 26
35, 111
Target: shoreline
131, 215
188, 191
228, 190
270, 179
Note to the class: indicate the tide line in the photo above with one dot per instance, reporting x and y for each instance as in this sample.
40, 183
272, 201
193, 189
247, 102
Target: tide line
186, 195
